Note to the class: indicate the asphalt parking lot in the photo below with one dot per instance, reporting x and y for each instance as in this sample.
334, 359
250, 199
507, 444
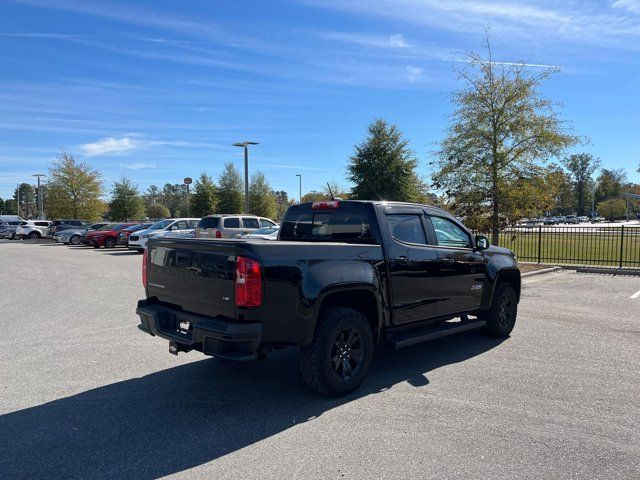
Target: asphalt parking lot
85, 394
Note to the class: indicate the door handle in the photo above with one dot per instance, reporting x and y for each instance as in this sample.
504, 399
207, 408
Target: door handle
448, 261
403, 259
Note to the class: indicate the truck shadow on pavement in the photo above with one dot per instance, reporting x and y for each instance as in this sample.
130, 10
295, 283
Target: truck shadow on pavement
182, 417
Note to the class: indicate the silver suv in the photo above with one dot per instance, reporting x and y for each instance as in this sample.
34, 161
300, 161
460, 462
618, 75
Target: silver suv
230, 226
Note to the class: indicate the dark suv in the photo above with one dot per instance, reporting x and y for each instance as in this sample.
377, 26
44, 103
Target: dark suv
66, 224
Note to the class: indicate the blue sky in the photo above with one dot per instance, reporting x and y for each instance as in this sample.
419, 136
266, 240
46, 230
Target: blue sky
159, 90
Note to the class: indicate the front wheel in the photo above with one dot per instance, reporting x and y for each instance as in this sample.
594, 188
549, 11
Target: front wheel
34, 235
338, 358
501, 317
75, 240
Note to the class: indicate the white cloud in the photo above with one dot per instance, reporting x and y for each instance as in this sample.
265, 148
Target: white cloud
138, 165
632, 6
133, 141
397, 41
108, 146
365, 39
414, 73
613, 24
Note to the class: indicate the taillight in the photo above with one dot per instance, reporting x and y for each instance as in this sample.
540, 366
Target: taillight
325, 204
144, 269
218, 234
248, 283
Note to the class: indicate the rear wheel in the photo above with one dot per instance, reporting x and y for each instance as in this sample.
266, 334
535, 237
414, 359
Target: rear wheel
110, 242
501, 317
338, 358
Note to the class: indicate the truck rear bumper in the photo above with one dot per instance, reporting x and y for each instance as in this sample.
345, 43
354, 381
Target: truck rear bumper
189, 331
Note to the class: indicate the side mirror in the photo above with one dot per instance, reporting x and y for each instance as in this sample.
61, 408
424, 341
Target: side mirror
482, 242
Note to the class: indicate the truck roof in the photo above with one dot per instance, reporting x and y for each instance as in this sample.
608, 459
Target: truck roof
387, 202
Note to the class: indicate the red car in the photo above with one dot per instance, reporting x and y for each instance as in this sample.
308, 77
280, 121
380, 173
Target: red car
106, 236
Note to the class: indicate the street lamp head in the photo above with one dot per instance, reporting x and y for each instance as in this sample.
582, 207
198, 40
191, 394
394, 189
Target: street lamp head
38, 175
245, 144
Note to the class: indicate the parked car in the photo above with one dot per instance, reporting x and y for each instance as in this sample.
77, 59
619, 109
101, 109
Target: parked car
11, 218
583, 219
181, 234
138, 240
570, 219
74, 236
66, 224
9, 228
267, 233
230, 226
106, 236
597, 219
123, 235
33, 229
343, 277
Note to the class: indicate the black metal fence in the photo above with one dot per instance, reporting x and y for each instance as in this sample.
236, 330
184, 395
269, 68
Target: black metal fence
617, 246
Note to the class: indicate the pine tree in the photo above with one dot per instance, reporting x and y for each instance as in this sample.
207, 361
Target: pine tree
126, 203
230, 186
203, 198
384, 167
261, 200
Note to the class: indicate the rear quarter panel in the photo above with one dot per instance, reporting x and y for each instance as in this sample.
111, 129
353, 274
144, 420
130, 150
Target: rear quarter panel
298, 276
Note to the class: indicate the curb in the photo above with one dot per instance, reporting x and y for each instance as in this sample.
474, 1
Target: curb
541, 272
606, 271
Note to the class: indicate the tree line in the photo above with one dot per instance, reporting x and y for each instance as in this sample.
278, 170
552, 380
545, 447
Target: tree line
504, 156
76, 190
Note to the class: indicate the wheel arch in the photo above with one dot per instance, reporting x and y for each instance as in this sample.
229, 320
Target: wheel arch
362, 298
511, 276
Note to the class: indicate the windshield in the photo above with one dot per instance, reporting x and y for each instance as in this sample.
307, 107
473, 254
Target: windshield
160, 225
110, 226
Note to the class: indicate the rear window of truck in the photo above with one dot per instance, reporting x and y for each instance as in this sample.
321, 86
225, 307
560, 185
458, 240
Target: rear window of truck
343, 224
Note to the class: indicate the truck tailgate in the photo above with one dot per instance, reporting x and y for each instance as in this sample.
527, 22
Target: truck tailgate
196, 275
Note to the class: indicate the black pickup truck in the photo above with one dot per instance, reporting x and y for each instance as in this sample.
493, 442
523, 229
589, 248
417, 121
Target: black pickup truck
342, 277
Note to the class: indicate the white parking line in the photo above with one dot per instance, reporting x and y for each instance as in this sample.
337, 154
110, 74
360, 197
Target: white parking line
635, 295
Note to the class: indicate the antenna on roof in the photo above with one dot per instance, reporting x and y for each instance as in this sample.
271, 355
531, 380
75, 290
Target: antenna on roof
330, 192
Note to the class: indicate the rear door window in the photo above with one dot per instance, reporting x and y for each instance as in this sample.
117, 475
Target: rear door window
250, 223
181, 225
264, 223
407, 228
232, 222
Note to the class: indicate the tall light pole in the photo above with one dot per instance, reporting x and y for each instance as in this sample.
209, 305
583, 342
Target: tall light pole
40, 205
245, 145
299, 175
187, 181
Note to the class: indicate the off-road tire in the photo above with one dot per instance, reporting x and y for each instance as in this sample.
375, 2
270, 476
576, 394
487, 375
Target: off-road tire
316, 364
501, 317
